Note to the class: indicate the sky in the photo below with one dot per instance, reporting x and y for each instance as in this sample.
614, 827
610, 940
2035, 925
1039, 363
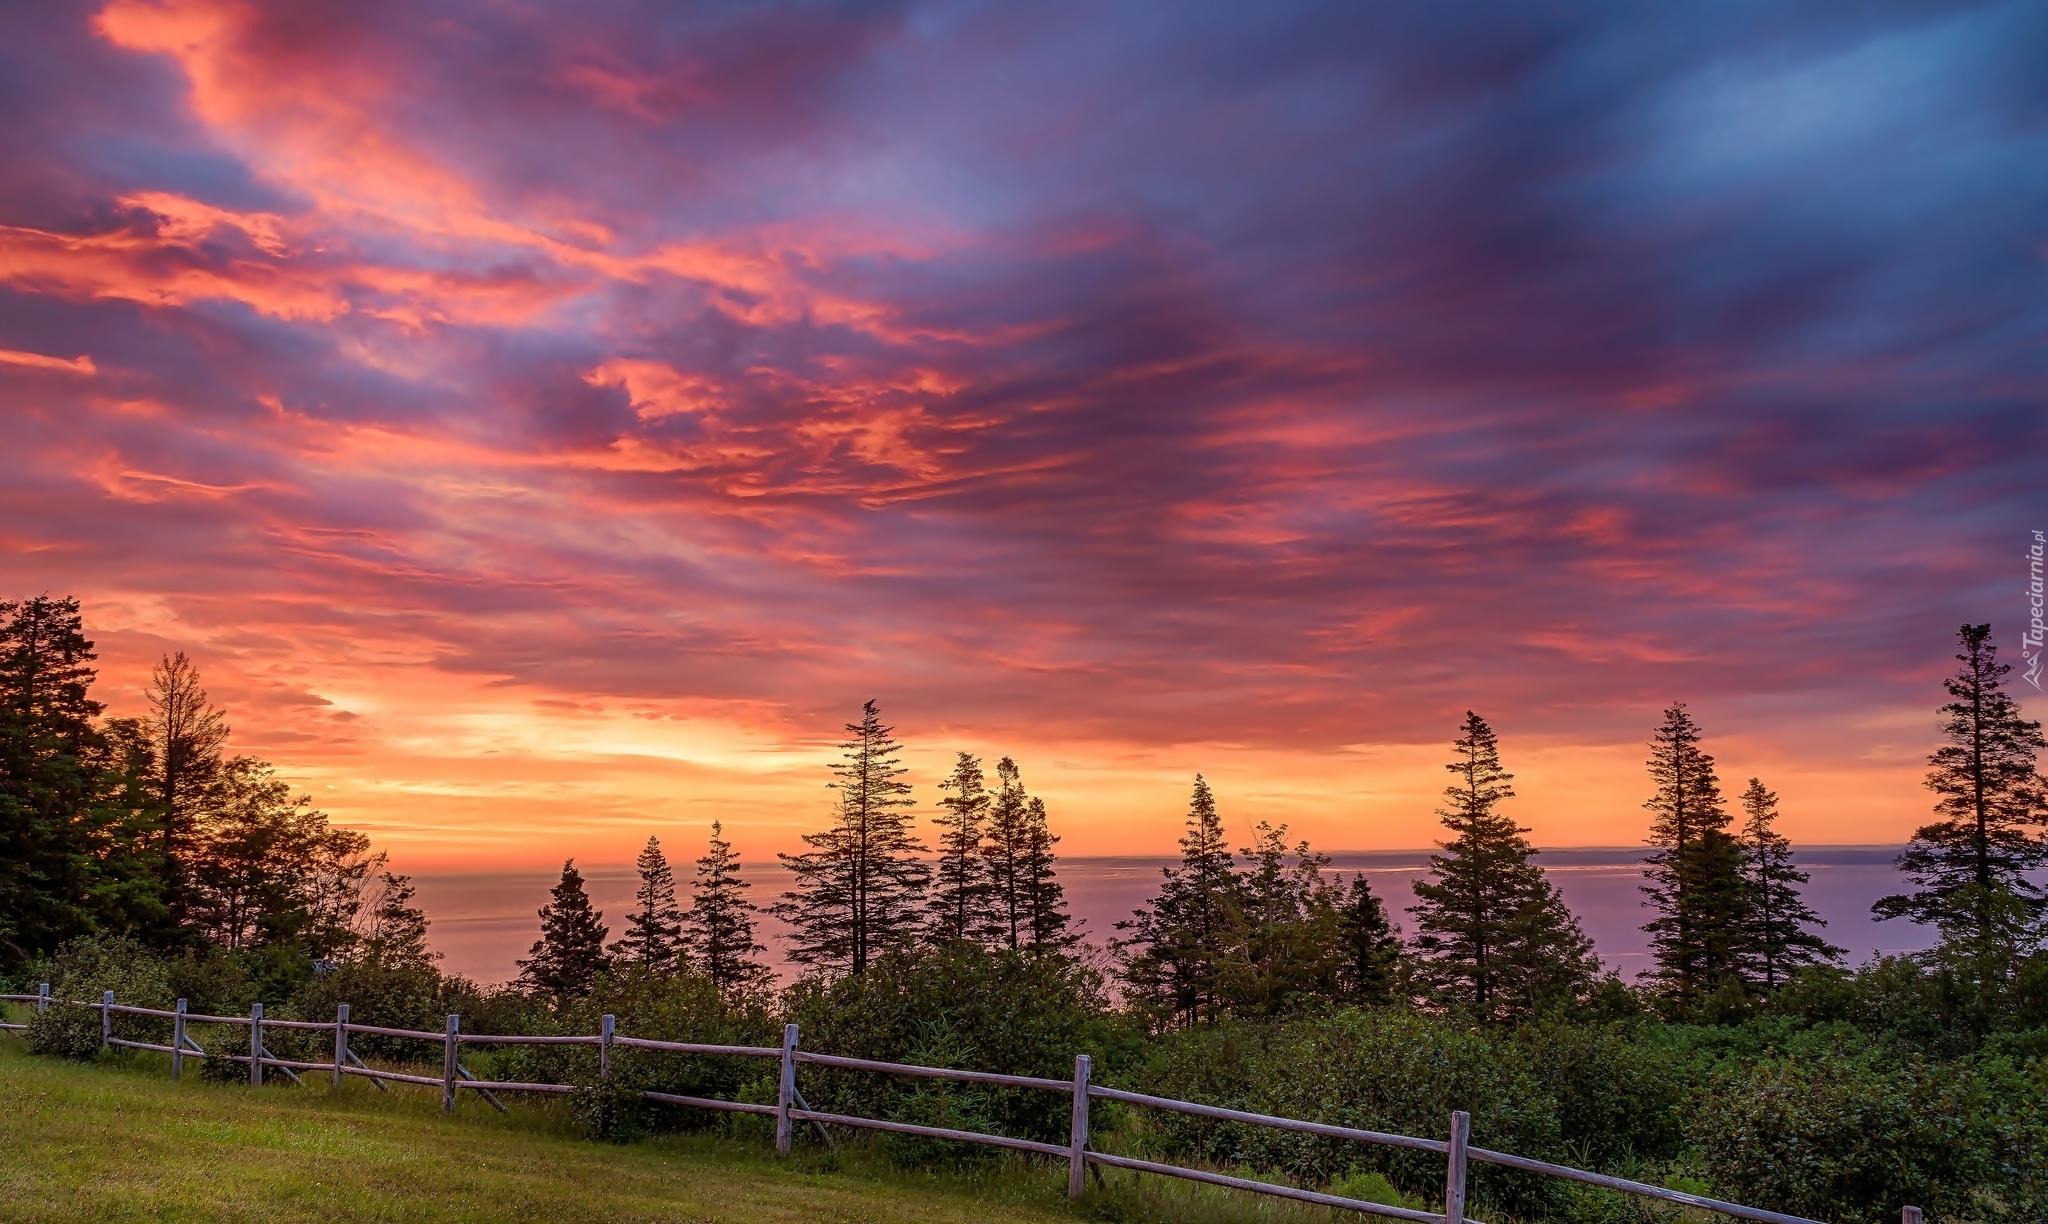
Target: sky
546, 424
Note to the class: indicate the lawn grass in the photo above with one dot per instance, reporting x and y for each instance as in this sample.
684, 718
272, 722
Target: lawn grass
117, 1140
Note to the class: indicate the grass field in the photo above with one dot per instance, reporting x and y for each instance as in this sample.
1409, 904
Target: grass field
109, 1142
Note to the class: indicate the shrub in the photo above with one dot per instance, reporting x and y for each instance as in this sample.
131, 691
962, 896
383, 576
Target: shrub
82, 970
962, 1006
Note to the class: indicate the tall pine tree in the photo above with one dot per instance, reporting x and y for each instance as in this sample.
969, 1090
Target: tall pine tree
1696, 872
186, 734
653, 938
1046, 920
1970, 868
1173, 958
48, 746
1496, 939
565, 961
1779, 941
858, 889
1008, 851
719, 928
1368, 946
959, 901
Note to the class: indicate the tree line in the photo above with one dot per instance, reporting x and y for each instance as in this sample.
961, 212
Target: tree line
861, 890
148, 827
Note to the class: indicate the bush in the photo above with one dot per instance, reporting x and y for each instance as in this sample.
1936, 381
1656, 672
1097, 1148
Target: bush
1842, 1139
955, 1005
1619, 1101
1384, 1070
84, 969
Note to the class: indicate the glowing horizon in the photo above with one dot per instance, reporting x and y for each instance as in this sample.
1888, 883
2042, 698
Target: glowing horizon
545, 428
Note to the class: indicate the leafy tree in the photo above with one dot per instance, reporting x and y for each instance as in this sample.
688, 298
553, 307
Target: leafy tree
959, 901
393, 931
653, 938
1778, 942
186, 734
1695, 874
1970, 868
719, 929
1173, 959
48, 746
1495, 937
568, 956
1369, 947
859, 886
1286, 949
265, 867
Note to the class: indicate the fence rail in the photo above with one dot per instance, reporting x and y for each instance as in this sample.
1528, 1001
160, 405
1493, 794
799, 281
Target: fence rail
790, 1107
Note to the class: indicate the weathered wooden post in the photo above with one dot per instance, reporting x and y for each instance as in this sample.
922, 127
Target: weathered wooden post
1454, 1176
606, 1026
340, 1043
107, 1020
43, 998
1077, 1133
255, 1045
448, 1064
786, 1095
1911, 1215
178, 1041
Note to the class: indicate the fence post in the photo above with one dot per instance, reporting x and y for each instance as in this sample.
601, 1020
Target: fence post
1454, 1176
1077, 1134
1911, 1215
255, 1045
43, 998
606, 1026
106, 1020
178, 1041
784, 1133
340, 1043
448, 1064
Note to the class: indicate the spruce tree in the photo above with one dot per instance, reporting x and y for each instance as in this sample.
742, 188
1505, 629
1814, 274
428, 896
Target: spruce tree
1368, 946
653, 938
1173, 959
1046, 921
1970, 868
49, 747
960, 886
720, 925
859, 888
186, 734
1495, 938
1779, 940
1008, 850
1695, 873
565, 961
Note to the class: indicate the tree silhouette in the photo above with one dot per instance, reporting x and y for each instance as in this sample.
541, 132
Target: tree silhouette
565, 961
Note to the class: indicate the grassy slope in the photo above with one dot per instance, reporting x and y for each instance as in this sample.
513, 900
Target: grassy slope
105, 1142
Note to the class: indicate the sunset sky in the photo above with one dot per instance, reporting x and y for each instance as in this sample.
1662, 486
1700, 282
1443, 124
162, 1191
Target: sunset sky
545, 424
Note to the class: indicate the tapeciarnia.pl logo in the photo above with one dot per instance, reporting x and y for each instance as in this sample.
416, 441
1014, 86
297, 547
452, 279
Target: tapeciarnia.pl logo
2030, 642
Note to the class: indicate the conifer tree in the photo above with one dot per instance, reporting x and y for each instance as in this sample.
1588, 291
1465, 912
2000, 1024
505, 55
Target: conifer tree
1495, 937
653, 938
186, 735
1369, 947
720, 924
1695, 873
48, 752
858, 889
1970, 868
1778, 940
1008, 850
565, 961
1174, 955
1046, 919
959, 902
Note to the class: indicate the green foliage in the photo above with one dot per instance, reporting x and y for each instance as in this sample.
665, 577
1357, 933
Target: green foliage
1618, 1099
1017, 1013
82, 970
569, 955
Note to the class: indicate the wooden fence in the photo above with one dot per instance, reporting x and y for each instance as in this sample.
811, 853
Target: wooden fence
790, 1107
